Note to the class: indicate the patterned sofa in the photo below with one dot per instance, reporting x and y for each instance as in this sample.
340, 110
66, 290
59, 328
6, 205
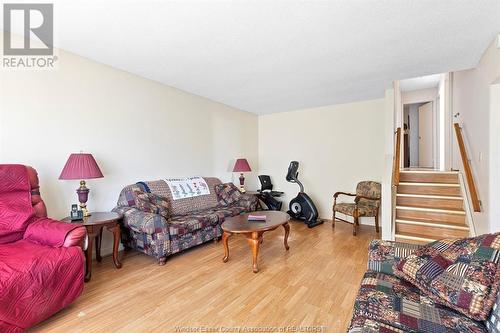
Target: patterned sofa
387, 303
190, 222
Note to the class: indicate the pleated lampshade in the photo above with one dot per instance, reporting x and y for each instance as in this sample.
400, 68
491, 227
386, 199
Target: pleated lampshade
81, 166
241, 165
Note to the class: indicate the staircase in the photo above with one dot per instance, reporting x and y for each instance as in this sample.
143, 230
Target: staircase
429, 206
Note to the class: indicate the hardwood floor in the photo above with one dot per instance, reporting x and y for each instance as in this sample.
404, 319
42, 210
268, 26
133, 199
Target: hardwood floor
313, 284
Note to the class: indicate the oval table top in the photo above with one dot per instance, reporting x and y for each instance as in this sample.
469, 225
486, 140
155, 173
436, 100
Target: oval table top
97, 218
240, 224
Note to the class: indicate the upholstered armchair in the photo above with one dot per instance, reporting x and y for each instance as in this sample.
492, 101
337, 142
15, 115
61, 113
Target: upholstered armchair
366, 204
41, 259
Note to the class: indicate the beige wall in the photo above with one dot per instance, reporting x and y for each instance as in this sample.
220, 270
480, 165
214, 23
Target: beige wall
419, 96
495, 155
136, 129
472, 100
337, 146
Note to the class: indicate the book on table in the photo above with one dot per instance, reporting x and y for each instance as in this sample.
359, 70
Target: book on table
257, 218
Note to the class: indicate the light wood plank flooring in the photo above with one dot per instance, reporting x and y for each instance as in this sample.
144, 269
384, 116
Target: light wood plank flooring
314, 284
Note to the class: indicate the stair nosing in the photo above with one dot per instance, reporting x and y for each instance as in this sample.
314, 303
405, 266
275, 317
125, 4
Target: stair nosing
415, 238
432, 210
430, 184
430, 171
429, 196
432, 224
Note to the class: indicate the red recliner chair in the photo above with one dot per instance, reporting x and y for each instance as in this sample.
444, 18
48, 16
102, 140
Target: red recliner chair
41, 260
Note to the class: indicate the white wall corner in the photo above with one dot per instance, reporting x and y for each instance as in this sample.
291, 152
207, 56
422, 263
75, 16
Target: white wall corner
387, 198
390, 124
498, 41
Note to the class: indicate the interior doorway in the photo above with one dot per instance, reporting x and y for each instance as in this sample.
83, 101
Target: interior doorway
418, 139
424, 114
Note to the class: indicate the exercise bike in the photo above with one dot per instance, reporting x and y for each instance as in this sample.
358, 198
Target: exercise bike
301, 207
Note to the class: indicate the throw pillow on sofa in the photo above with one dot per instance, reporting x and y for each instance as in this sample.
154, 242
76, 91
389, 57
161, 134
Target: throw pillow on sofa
152, 203
462, 274
227, 193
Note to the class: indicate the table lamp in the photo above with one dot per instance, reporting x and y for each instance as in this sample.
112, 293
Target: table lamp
241, 166
81, 166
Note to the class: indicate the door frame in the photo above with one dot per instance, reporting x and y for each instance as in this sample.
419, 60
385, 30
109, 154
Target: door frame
443, 121
433, 130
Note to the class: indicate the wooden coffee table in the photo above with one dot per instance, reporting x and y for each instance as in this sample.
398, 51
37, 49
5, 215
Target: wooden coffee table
253, 231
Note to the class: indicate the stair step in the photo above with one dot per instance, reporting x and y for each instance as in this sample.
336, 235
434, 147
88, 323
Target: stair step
445, 189
431, 229
434, 224
449, 177
425, 220
430, 214
413, 238
430, 201
434, 210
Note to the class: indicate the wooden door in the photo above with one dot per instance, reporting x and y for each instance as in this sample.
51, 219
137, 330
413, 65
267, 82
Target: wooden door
425, 136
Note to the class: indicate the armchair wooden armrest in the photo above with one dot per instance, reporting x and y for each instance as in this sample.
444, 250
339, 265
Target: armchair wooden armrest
359, 197
343, 193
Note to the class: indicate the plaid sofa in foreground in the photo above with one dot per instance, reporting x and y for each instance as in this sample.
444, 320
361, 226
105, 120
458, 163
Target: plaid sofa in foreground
192, 221
388, 304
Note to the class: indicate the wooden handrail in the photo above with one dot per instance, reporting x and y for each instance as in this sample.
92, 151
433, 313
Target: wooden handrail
397, 158
476, 204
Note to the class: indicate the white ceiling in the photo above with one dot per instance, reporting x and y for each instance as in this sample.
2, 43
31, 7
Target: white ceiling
270, 56
421, 82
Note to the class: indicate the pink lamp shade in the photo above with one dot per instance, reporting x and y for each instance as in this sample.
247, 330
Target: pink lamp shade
241, 165
81, 166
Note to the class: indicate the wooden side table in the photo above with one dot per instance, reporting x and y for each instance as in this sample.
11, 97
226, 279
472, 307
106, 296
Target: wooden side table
94, 225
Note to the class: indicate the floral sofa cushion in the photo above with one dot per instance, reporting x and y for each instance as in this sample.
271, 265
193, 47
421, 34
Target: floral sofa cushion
181, 225
230, 211
382, 255
227, 193
151, 203
387, 304
460, 273
364, 208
